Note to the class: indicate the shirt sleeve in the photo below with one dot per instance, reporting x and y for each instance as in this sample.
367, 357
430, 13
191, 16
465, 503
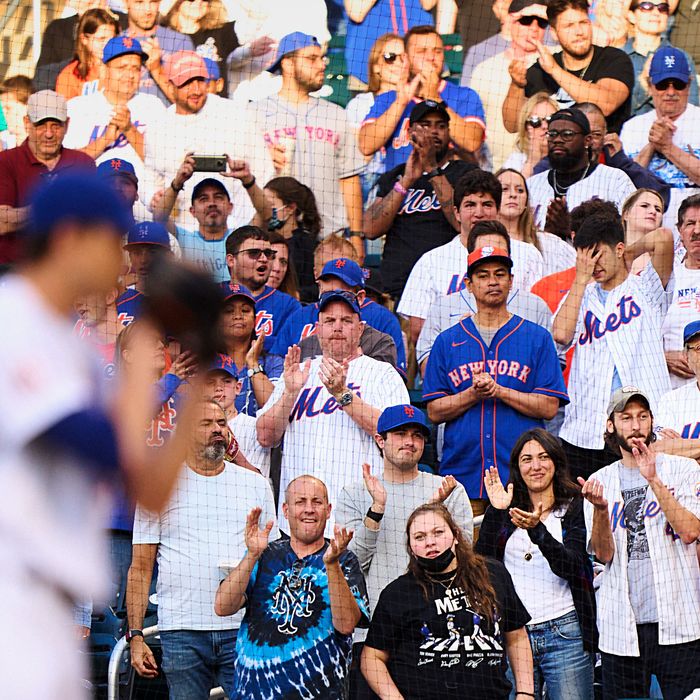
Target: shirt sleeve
688, 493
430, 331
386, 390
535, 80
350, 161
418, 292
653, 289
548, 377
460, 506
467, 103
274, 398
351, 507
356, 582
435, 381
273, 366
146, 527
381, 104
617, 64
8, 183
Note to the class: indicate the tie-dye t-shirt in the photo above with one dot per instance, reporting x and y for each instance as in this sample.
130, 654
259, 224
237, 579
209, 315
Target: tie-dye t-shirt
287, 647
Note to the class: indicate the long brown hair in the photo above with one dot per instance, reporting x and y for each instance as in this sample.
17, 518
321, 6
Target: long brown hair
526, 222
375, 54
90, 22
291, 191
289, 284
216, 16
472, 573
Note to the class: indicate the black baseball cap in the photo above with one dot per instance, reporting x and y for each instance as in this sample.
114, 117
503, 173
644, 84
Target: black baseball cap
209, 182
428, 107
571, 114
520, 5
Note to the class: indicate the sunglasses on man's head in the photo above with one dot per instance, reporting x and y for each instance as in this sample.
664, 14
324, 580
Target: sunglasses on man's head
677, 85
527, 21
663, 7
537, 122
391, 57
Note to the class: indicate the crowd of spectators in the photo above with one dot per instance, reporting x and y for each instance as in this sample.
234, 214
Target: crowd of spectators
448, 443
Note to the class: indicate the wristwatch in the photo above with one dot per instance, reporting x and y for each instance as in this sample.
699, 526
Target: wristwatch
131, 634
345, 399
255, 370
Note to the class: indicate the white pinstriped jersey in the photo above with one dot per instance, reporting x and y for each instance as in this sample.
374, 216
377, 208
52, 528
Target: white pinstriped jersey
680, 411
443, 271
624, 333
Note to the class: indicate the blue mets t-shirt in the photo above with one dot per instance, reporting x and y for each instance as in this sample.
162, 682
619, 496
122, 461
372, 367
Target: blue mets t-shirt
287, 646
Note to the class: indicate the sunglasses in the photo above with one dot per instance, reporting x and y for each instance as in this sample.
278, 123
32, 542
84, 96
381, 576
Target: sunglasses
677, 84
257, 253
663, 7
527, 21
391, 57
537, 122
564, 134
350, 297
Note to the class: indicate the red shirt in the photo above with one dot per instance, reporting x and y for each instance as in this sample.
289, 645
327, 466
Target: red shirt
20, 174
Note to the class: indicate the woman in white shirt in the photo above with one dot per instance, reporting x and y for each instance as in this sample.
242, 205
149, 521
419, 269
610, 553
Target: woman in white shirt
536, 527
642, 212
515, 214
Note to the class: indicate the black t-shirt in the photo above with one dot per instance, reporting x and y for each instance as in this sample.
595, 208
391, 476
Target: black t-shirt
607, 62
301, 250
419, 225
216, 44
440, 649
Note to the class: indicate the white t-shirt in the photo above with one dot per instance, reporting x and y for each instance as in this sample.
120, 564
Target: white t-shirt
443, 270
604, 182
54, 512
557, 254
202, 527
683, 309
635, 135
545, 595
624, 333
219, 127
91, 114
243, 428
322, 440
680, 410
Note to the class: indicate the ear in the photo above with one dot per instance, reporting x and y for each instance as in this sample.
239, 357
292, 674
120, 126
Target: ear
609, 427
361, 296
285, 510
237, 387
380, 441
230, 260
620, 250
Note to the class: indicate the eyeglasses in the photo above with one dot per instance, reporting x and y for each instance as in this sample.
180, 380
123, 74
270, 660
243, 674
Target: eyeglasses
564, 134
257, 253
391, 57
541, 23
537, 122
662, 7
678, 85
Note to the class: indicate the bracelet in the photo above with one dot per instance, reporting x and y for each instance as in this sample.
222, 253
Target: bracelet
398, 187
522, 692
377, 517
175, 189
356, 234
249, 185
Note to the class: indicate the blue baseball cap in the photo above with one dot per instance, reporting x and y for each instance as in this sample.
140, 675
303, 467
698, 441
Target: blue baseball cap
117, 167
690, 331
290, 43
344, 269
669, 62
148, 233
224, 363
339, 295
212, 69
78, 197
229, 290
397, 416
121, 46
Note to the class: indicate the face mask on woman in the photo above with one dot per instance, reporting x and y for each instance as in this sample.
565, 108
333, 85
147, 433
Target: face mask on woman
434, 565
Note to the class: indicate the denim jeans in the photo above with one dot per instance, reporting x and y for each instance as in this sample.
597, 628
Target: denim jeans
195, 662
560, 661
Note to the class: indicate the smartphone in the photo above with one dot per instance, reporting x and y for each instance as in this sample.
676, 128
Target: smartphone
209, 164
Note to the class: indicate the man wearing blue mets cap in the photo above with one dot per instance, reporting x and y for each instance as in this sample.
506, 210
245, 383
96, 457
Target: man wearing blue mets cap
347, 275
311, 138
489, 378
376, 506
60, 445
666, 139
679, 409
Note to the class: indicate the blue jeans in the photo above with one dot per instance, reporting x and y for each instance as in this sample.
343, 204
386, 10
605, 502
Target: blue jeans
559, 659
195, 662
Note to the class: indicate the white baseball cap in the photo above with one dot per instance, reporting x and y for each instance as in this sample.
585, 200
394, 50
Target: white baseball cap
46, 104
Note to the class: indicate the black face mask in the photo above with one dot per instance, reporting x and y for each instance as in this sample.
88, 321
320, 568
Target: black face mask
436, 564
273, 223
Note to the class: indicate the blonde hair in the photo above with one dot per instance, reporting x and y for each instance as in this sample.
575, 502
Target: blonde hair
375, 54
536, 99
631, 201
216, 16
331, 248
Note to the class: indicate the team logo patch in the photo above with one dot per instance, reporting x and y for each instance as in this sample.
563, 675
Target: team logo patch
142, 231
128, 42
669, 61
409, 411
115, 164
234, 288
339, 263
225, 360
486, 251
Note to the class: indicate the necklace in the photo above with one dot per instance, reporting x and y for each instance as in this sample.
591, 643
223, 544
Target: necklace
447, 584
561, 190
528, 555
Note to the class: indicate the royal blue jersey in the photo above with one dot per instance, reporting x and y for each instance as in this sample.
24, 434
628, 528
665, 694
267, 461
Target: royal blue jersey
287, 647
463, 100
521, 357
303, 324
129, 306
245, 402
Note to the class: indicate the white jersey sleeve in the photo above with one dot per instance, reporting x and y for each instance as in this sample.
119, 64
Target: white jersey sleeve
146, 527
387, 390
419, 293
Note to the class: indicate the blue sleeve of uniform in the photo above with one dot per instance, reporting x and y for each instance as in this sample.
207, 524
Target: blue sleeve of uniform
381, 104
287, 335
466, 102
548, 378
273, 365
166, 386
435, 384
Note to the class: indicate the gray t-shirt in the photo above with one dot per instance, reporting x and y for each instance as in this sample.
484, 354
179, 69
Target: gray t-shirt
382, 553
640, 574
